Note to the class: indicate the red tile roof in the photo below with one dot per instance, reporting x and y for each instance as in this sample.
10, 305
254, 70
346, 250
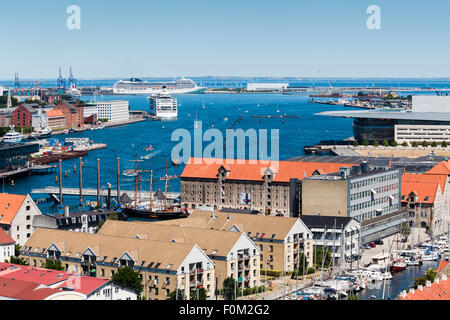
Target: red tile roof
9, 205
425, 177
437, 291
24, 290
58, 279
54, 113
254, 169
5, 238
442, 167
423, 190
441, 266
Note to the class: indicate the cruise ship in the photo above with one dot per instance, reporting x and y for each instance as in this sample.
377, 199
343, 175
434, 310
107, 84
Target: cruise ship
137, 86
163, 106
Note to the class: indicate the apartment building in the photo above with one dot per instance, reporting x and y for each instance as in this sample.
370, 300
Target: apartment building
22, 116
56, 119
16, 216
163, 266
360, 192
341, 235
281, 240
58, 285
73, 114
234, 254
271, 188
6, 246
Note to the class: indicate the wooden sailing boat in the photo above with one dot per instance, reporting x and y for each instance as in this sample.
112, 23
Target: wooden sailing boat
142, 212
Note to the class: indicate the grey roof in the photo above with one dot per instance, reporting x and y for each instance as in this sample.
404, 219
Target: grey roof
325, 221
393, 115
159, 195
124, 198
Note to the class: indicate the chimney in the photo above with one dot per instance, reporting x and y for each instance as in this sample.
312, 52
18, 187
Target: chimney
420, 287
229, 217
436, 280
411, 290
428, 283
403, 294
213, 216
444, 277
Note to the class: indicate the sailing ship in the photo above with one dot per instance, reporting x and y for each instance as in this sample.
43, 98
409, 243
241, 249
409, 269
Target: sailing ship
163, 212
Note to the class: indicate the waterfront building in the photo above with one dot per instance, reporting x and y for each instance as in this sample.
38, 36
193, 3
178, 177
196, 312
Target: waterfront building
341, 235
45, 284
15, 156
90, 113
269, 188
16, 216
73, 114
6, 246
429, 120
234, 254
39, 119
86, 221
266, 86
369, 195
164, 266
281, 241
22, 116
425, 205
56, 119
113, 111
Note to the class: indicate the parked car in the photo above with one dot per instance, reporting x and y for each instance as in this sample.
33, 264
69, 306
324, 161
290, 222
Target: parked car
366, 246
378, 242
372, 244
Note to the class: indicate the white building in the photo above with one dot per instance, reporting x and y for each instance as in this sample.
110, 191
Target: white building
16, 216
90, 109
113, 110
6, 246
39, 119
267, 86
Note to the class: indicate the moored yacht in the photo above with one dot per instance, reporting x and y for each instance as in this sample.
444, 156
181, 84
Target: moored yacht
12, 137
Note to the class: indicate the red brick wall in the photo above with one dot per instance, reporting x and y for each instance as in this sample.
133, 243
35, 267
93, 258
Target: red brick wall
21, 117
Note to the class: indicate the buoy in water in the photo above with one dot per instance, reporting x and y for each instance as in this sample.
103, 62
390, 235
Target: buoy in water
12, 182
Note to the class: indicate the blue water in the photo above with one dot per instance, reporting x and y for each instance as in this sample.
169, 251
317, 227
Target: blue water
402, 281
125, 141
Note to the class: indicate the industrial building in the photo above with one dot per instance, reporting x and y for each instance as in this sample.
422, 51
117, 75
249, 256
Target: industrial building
113, 111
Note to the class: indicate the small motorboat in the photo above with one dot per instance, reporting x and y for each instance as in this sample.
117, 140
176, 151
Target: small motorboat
398, 265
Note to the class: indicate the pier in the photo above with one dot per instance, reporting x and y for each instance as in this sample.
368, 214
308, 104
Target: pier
104, 192
37, 169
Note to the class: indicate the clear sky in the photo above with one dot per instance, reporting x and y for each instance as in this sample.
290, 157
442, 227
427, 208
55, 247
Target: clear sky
146, 38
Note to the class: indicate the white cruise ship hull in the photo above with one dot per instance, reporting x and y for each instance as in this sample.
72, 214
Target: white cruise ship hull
158, 90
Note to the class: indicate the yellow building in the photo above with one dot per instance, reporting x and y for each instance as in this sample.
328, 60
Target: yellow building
163, 266
281, 240
233, 253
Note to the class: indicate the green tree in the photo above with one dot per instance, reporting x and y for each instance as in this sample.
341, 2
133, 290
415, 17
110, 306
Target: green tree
414, 144
17, 250
385, 143
434, 144
355, 143
322, 254
54, 265
405, 144
173, 295
126, 276
394, 143
229, 288
444, 144
424, 143
375, 143
365, 143
201, 293
4, 100
17, 260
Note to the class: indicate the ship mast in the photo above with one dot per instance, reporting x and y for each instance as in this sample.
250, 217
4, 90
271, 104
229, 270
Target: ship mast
136, 178
151, 178
165, 189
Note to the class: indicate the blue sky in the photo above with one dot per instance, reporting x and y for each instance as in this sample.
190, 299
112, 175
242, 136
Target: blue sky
325, 38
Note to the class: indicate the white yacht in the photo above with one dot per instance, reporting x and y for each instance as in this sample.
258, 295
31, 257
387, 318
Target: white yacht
73, 91
163, 106
138, 86
12, 137
42, 133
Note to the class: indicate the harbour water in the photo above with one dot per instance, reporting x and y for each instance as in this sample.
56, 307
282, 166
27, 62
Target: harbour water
402, 280
126, 141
